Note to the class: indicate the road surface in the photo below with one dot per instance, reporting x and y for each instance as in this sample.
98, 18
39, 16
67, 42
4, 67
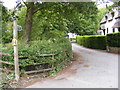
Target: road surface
92, 69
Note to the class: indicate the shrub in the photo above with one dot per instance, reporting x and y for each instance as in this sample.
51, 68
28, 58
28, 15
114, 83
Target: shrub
61, 47
92, 41
113, 39
6, 39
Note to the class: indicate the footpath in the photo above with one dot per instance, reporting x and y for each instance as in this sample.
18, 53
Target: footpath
92, 69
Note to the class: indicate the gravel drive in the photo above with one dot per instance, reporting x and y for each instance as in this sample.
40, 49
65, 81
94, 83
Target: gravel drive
92, 69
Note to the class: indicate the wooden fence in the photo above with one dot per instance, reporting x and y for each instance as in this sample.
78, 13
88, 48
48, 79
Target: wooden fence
24, 57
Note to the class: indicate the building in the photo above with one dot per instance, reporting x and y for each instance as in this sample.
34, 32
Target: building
110, 22
72, 36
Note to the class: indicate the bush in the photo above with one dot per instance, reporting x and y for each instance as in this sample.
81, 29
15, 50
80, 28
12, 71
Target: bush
113, 39
6, 39
92, 41
61, 47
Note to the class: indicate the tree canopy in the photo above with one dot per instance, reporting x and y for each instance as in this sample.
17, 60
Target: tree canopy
6, 31
60, 18
54, 19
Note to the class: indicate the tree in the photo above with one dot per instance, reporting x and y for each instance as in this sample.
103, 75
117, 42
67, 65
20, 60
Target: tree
32, 8
6, 35
28, 22
59, 18
65, 10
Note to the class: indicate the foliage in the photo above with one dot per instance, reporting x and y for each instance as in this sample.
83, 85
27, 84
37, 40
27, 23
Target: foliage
116, 4
59, 67
5, 14
5, 82
60, 18
101, 13
92, 41
113, 39
86, 22
56, 21
21, 21
6, 31
7, 24
61, 47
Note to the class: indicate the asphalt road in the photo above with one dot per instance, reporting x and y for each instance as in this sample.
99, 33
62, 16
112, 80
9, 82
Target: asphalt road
92, 69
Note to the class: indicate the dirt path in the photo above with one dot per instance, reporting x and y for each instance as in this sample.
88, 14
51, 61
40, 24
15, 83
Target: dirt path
93, 69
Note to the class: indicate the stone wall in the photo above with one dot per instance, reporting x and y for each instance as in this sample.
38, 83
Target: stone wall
113, 49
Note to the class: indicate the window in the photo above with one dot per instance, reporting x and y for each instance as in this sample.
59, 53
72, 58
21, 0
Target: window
113, 29
112, 14
104, 31
106, 17
107, 30
119, 29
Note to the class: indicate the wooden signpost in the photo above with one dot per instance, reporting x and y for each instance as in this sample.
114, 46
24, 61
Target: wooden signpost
15, 45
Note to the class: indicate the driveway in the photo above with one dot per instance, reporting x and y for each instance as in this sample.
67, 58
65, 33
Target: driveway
92, 69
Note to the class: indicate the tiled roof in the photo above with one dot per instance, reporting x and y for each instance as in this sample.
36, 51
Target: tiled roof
118, 14
109, 16
117, 24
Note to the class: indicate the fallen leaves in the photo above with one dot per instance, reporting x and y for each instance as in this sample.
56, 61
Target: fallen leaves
86, 66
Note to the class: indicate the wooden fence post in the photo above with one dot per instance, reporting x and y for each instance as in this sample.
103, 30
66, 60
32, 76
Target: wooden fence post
15, 45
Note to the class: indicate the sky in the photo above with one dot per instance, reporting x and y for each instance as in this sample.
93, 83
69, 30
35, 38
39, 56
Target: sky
10, 4
101, 4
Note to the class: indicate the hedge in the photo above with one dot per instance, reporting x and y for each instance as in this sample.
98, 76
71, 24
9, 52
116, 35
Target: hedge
113, 39
92, 41
61, 47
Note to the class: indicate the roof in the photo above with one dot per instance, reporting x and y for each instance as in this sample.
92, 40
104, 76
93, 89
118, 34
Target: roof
110, 17
117, 24
118, 14
103, 20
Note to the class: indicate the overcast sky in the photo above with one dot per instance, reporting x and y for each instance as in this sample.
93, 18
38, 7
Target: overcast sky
101, 4
10, 4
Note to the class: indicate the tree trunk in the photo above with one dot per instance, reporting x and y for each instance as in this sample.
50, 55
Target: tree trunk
28, 22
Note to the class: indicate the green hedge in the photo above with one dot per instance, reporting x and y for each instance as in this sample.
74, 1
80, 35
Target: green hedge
92, 41
61, 47
113, 39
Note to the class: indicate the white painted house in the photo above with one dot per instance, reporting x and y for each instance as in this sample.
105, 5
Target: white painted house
71, 35
110, 22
